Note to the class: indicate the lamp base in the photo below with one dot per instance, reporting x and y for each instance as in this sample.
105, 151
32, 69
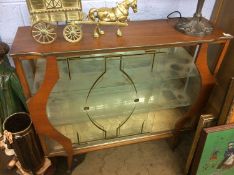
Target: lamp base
196, 26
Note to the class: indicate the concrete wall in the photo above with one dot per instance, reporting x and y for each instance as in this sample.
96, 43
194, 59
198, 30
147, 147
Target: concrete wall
14, 13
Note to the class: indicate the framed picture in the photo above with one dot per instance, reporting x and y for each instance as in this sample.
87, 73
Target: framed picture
230, 117
226, 114
204, 122
215, 151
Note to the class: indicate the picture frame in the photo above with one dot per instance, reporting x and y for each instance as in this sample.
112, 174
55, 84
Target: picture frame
226, 114
205, 121
230, 118
215, 151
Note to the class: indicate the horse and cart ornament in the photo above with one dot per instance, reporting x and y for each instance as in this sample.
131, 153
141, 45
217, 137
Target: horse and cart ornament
47, 14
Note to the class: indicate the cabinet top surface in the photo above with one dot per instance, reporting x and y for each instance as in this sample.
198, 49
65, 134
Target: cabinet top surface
138, 35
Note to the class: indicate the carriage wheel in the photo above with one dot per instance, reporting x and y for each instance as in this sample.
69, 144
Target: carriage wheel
72, 33
44, 32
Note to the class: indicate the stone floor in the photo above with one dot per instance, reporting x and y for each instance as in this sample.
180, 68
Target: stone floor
149, 158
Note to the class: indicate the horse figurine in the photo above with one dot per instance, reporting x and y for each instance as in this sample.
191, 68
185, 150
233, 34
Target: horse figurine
117, 15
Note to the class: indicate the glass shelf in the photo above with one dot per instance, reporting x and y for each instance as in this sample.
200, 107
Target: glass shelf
161, 121
108, 96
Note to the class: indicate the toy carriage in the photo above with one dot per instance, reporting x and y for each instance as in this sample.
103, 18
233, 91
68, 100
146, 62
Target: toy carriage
47, 14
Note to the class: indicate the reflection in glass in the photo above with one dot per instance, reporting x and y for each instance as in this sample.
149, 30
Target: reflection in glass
107, 96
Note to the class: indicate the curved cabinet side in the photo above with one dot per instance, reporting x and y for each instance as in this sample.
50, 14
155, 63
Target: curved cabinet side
207, 83
37, 107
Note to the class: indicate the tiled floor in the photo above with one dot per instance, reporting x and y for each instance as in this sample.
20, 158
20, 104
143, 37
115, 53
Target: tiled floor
149, 158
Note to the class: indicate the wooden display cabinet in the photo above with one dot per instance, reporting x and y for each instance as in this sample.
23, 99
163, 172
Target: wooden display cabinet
149, 84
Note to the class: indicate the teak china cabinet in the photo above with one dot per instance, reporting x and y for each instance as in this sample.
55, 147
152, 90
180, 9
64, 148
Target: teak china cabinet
100, 93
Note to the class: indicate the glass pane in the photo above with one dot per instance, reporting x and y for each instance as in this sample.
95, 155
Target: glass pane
214, 52
34, 72
174, 63
107, 96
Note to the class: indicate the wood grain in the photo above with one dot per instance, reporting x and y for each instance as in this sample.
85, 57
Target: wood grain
37, 107
139, 34
225, 20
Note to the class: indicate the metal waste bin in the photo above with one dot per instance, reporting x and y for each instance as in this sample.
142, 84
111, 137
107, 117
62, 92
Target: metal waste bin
25, 141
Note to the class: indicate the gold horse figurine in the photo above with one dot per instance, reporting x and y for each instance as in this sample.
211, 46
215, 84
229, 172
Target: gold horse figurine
117, 15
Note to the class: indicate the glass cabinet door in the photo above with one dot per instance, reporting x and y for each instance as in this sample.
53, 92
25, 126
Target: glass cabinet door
110, 96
